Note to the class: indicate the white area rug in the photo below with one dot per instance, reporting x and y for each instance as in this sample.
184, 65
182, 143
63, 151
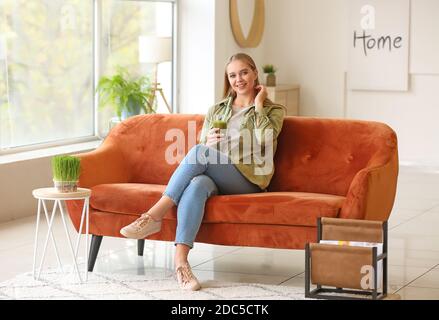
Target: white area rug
154, 285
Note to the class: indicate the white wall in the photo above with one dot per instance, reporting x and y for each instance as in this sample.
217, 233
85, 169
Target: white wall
413, 115
225, 44
18, 179
307, 39
303, 51
206, 42
196, 83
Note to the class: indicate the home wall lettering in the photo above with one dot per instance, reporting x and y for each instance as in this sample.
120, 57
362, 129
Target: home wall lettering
378, 45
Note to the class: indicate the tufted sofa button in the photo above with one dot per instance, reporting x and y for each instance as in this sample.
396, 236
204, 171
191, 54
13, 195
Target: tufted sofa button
306, 158
350, 158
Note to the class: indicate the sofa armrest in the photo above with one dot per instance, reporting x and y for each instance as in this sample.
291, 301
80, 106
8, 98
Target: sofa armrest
106, 164
372, 192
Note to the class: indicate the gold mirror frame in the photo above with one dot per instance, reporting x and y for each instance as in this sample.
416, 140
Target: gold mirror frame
257, 26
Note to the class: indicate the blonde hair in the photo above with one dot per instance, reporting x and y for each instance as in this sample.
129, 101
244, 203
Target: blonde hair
241, 57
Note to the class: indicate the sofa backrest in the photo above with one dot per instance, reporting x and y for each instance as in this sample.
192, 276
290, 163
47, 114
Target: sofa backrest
313, 154
142, 140
323, 155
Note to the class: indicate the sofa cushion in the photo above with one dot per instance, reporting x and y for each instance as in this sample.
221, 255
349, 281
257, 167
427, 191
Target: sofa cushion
276, 208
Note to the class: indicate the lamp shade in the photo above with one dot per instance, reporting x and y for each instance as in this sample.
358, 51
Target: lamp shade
155, 49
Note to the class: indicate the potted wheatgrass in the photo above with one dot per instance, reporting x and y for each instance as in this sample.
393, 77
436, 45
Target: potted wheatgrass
65, 171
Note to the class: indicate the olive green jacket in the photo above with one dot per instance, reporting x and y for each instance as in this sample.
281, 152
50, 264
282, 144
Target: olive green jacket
271, 117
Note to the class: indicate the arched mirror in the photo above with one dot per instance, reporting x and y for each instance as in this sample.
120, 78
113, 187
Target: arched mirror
257, 26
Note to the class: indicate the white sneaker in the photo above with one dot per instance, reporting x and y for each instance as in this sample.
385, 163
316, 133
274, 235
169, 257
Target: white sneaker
142, 227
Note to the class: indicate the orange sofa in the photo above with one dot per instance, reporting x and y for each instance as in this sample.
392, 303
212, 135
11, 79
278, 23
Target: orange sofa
323, 168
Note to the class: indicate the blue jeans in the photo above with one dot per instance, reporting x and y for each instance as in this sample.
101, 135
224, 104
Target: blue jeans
202, 173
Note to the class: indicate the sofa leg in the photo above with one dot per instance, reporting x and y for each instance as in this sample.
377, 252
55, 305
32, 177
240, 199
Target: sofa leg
94, 249
140, 247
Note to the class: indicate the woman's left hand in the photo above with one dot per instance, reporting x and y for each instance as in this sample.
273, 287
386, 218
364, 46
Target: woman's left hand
260, 97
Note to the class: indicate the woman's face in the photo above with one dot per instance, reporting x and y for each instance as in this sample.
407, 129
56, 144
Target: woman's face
241, 77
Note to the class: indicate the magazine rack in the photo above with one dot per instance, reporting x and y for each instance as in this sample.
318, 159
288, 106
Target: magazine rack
347, 271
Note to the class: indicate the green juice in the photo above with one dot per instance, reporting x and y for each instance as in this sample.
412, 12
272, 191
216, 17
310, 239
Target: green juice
220, 124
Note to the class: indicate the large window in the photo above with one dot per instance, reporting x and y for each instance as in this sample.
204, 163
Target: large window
46, 71
53, 51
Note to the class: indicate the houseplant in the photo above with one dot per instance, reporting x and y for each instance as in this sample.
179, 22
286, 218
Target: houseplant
270, 70
126, 94
66, 170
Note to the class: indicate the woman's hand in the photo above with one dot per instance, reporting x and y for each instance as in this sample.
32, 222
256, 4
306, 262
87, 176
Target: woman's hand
213, 137
260, 97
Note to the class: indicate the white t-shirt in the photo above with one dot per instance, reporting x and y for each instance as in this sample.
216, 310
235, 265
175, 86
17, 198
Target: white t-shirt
230, 144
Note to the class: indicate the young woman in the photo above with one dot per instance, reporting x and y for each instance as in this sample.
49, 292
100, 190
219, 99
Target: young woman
208, 168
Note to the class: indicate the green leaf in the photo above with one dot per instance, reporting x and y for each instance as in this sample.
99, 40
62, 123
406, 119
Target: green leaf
125, 93
269, 68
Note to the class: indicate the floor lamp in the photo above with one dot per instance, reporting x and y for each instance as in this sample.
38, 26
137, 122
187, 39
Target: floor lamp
156, 50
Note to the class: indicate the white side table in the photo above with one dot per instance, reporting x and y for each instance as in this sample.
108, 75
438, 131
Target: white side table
47, 194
